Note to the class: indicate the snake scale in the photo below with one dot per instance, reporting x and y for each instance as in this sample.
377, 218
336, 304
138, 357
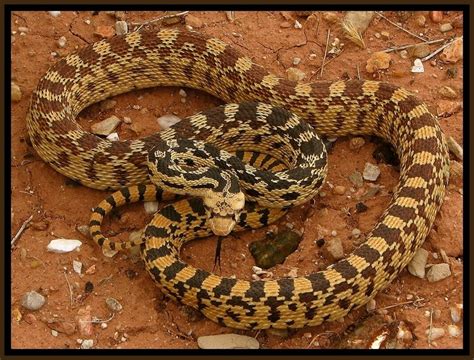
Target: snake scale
179, 58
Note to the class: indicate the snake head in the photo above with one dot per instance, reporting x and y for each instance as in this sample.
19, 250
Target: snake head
223, 210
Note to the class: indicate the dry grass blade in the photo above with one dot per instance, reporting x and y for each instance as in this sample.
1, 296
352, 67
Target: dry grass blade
353, 34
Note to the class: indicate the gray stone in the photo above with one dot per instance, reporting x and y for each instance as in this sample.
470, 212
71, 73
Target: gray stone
416, 267
113, 304
438, 272
32, 301
371, 172
107, 126
227, 341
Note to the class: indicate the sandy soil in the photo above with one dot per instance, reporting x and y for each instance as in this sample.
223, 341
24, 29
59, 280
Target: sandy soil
150, 321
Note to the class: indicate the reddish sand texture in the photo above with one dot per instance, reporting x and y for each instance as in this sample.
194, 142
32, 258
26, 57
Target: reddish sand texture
148, 320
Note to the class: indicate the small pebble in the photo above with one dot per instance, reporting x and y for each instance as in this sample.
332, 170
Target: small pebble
378, 61
91, 270
15, 92
417, 66
421, 20
438, 272
455, 148
182, 93
285, 25
356, 143
54, 333
84, 230
356, 233
127, 120
54, 13
32, 301
151, 207
298, 25
409, 297
453, 331
166, 121
371, 172
61, 246
106, 127
113, 137
296, 61
334, 249
436, 16
194, 21
436, 333
404, 54
371, 305
416, 267
385, 35
445, 27
356, 179
62, 41
339, 190
77, 266
455, 314
227, 341
87, 344
113, 304
453, 52
121, 27
87, 21
448, 93
420, 51
295, 74
330, 16
103, 325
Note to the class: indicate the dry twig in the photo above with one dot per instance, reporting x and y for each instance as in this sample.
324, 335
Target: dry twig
158, 19
20, 231
412, 45
400, 27
69, 287
325, 53
438, 50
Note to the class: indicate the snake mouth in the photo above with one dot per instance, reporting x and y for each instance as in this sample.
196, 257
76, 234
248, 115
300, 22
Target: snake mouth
222, 225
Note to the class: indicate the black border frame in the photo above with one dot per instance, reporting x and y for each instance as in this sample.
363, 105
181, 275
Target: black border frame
5, 163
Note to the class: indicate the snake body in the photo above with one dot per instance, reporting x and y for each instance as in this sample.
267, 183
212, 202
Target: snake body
176, 58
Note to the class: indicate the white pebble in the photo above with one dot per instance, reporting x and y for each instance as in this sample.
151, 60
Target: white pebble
356, 232
455, 314
103, 325
151, 207
166, 121
296, 61
62, 41
334, 233
436, 333
371, 305
454, 331
417, 66
371, 172
63, 245
182, 93
77, 266
417, 265
113, 137
87, 344
298, 25
87, 21
121, 27
54, 333
54, 13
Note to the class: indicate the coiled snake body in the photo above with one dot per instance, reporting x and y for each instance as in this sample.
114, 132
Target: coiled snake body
171, 57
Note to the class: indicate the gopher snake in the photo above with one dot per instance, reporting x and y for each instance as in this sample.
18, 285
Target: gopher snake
171, 57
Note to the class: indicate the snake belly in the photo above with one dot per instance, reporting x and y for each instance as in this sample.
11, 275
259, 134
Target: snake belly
172, 57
